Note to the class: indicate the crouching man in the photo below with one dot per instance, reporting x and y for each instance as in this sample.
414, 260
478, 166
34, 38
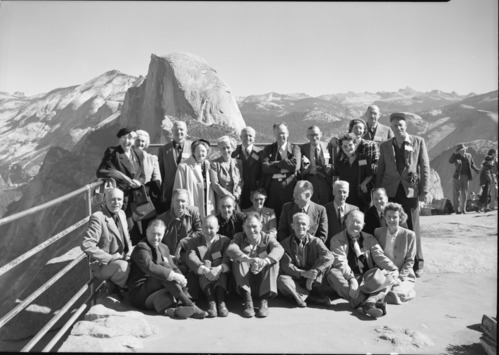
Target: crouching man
305, 265
255, 264
154, 277
107, 242
354, 276
207, 259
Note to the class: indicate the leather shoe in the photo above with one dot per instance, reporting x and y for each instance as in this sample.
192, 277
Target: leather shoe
323, 300
263, 311
199, 313
212, 310
182, 312
222, 310
370, 309
248, 310
418, 267
381, 305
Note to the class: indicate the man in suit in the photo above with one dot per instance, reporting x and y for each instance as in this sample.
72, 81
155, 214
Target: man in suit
316, 165
337, 209
154, 277
462, 176
181, 221
404, 172
374, 217
376, 131
250, 158
318, 220
305, 265
355, 254
280, 166
169, 157
107, 242
230, 221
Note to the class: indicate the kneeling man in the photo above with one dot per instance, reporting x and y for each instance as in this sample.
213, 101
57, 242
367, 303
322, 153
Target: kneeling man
305, 265
154, 275
255, 264
107, 242
356, 253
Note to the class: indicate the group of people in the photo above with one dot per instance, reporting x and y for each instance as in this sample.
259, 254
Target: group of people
311, 222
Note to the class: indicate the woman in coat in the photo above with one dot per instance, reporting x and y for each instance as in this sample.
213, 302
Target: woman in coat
226, 172
399, 245
194, 176
151, 167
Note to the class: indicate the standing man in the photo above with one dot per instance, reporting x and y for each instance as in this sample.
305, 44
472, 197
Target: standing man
249, 155
280, 166
462, 176
404, 172
316, 165
493, 188
376, 131
107, 242
169, 156
317, 223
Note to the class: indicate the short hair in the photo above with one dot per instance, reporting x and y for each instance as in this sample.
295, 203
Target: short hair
177, 192
182, 123
301, 214
491, 151
378, 189
371, 107
303, 185
110, 190
226, 197
313, 127
248, 128
260, 191
396, 207
279, 124
354, 122
199, 142
210, 216
156, 222
143, 133
348, 137
341, 183
226, 139
252, 214
353, 214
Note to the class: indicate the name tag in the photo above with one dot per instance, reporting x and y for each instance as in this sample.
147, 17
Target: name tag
362, 162
410, 192
216, 255
327, 155
262, 255
408, 148
255, 156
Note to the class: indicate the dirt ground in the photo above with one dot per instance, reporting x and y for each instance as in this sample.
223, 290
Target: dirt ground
457, 289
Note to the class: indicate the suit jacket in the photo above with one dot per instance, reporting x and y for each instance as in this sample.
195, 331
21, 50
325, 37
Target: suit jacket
335, 226
318, 220
197, 252
457, 160
190, 223
404, 250
224, 184
317, 257
371, 249
144, 264
417, 161
167, 159
102, 238
269, 221
372, 220
271, 166
251, 172
268, 246
381, 134
189, 176
327, 162
231, 226
115, 158
151, 168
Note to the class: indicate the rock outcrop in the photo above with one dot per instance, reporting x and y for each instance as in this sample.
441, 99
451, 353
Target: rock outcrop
181, 86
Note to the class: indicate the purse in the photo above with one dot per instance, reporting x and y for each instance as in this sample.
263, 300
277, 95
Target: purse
141, 205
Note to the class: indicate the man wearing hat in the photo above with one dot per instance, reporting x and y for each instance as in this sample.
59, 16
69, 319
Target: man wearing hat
376, 131
404, 172
462, 176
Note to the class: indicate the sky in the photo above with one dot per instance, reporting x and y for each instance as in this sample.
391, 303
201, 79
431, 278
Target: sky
256, 47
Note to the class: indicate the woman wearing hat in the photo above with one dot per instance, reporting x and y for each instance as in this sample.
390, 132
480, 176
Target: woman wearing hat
125, 164
399, 245
194, 176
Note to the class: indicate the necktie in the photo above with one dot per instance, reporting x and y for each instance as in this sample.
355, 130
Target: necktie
117, 221
358, 253
317, 156
179, 153
159, 256
382, 221
301, 254
303, 210
248, 152
340, 209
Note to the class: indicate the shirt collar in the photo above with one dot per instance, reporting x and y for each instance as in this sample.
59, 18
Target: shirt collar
336, 206
305, 240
